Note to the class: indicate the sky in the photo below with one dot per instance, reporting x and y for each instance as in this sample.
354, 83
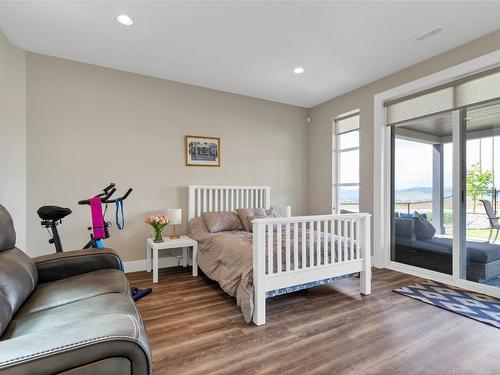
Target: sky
413, 161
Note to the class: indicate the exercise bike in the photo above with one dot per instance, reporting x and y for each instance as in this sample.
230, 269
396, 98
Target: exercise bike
52, 217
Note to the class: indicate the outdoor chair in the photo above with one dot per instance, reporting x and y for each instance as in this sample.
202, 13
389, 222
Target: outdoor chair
492, 218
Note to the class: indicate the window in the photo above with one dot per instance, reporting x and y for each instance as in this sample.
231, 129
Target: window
345, 163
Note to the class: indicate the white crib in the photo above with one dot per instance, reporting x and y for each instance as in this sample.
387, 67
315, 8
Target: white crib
335, 245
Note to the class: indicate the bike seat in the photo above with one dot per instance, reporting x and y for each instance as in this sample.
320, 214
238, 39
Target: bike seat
53, 213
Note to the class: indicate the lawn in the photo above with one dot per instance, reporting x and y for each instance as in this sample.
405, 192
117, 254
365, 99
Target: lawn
481, 234
478, 234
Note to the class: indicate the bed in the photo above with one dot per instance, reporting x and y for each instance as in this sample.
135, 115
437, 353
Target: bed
280, 254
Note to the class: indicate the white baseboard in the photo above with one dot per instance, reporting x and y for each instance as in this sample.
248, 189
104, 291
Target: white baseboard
140, 265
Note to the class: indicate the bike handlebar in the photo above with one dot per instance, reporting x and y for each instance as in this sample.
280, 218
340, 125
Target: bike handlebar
107, 193
121, 198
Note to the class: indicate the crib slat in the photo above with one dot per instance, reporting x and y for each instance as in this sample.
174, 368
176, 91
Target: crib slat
356, 238
332, 242
318, 243
287, 246
341, 241
270, 249
325, 242
344, 238
204, 200
247, 193
351, 241
210, 200
303, 258
310, 246
198, 200
338, 247
296, 246
279, 260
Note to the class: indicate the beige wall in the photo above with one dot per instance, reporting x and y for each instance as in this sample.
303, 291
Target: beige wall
89, 125
13, 135
320, 129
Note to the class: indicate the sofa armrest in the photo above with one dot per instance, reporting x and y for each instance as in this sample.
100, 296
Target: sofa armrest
85, 343
70, 263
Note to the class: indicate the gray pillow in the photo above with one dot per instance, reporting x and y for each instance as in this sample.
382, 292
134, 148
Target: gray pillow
250, 218
222, 221
272, 212
245, 213
423, 229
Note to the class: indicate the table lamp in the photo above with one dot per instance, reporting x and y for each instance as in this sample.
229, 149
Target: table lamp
175, 218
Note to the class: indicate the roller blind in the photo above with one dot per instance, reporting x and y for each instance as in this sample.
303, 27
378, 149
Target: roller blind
471, 90
347, 124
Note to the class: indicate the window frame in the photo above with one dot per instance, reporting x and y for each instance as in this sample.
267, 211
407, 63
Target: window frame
336, 153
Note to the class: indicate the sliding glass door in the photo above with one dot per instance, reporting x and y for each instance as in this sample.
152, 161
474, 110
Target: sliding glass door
422, 192
480, 251
445, 193
445, 181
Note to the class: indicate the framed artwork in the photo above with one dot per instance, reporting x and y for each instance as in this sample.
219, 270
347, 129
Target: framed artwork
202, 151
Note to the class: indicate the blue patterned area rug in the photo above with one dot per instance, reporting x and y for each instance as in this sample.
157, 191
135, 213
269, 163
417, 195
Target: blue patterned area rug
472, 305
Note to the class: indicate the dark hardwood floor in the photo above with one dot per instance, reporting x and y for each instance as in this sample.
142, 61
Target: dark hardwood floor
195, 328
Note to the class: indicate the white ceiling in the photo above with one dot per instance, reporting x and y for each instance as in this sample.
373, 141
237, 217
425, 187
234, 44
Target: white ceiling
250, 47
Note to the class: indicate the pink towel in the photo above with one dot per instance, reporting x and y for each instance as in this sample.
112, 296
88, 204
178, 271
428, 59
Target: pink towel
97, 218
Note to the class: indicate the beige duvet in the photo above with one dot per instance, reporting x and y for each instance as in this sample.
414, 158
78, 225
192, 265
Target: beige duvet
226, 257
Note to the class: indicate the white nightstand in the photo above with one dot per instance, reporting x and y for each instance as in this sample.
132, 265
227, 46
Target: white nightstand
185, 242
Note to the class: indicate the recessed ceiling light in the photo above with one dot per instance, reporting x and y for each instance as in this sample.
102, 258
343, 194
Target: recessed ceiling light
298, 70
125, 20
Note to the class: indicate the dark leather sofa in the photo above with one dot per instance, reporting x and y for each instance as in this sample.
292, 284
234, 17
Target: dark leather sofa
67, 313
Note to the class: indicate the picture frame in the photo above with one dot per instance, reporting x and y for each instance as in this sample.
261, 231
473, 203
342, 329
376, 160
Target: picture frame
201, 151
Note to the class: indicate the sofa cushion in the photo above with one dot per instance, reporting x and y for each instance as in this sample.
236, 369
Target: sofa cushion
75, 288
5, 313
78, 311
18, 279
7, 232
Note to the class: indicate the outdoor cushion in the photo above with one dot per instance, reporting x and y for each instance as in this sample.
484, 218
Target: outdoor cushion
423, 229
404, 228
479, 252
409, 216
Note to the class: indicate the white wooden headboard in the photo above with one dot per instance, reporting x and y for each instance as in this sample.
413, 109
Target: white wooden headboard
205, 198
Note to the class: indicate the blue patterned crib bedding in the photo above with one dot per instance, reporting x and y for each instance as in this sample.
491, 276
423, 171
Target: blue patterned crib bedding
295, 288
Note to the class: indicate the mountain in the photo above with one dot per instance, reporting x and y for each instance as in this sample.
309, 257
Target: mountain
415, 194
418, 194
